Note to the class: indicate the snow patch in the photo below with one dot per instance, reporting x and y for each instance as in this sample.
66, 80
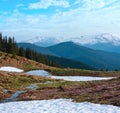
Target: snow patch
32, 86
68, 78
56, 106
80, 78
38, 73
11, 69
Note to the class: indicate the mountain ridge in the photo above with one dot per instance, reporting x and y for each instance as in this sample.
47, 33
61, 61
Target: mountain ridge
36, 48
64, 62
85, 39
96, 58
106, 41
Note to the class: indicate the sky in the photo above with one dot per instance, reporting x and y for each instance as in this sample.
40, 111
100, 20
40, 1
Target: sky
27, 19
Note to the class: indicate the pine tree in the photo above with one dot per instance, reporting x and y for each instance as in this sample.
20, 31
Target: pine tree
21, 52
0, 41
9, 45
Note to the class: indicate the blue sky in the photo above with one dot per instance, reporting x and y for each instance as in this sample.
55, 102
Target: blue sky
25, 19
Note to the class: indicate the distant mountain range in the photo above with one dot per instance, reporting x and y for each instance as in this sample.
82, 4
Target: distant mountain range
109, 47
70, 50
102, 38
45, 41
105, 41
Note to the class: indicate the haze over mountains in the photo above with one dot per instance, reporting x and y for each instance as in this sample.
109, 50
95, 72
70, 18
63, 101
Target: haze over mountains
89, 54
105, 41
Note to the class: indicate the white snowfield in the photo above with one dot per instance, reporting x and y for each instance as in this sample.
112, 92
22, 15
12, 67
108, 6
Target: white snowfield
10, 69
80, 78
56, 106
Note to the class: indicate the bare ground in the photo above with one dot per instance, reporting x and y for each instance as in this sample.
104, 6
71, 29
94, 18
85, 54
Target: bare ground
104, 92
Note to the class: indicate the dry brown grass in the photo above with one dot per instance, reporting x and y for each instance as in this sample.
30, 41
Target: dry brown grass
20, 62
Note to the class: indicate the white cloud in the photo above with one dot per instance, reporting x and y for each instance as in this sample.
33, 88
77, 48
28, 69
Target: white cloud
4, 13
94, 4
71, 23
97, 4
47, 3
90, 4
19, 5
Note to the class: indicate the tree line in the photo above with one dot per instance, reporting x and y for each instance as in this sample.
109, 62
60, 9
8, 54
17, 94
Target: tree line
9, 45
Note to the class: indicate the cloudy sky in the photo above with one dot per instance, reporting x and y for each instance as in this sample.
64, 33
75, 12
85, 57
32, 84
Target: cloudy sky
26, 19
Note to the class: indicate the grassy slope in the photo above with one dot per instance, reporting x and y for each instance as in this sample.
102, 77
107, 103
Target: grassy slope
25, 64
82, 72
17, 81
106, 92
20, 62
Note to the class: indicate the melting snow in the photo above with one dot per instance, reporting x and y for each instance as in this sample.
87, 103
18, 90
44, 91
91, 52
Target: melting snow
56, 106
39, 73
10, 69
80, 78
68, 78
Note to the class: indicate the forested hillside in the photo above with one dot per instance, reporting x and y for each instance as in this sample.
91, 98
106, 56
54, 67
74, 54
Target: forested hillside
95, 58
61, 61
9, 45
33, 52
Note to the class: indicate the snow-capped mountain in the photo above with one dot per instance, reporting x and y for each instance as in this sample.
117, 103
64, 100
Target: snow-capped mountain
83, 40
45, 41
105, 41
103, 38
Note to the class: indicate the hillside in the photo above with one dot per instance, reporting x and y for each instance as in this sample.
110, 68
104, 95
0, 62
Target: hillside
95, 58
61, 61
69, 63
9, 45
50, 88
36, 48
20, 62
